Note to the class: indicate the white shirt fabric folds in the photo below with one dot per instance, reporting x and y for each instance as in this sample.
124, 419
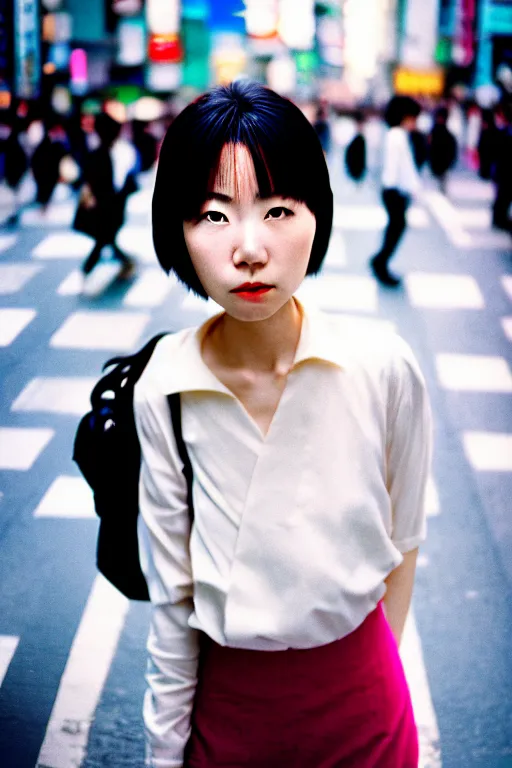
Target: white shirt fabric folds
399, 169
294, 532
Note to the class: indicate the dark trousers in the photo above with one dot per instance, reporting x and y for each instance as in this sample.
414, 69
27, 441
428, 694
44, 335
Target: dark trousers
95, 255
501, 205
396, 205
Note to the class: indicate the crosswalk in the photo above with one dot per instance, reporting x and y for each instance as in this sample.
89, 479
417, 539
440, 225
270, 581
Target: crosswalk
90, 325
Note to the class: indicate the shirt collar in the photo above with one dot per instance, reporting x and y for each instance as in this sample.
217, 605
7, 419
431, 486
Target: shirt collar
188, 372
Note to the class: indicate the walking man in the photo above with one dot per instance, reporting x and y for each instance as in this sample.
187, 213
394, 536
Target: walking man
400, 181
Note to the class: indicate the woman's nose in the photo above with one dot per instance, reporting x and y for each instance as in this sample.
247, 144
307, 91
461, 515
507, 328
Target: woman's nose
249, 248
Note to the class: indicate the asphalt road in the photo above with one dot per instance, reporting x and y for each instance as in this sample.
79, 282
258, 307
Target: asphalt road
72, 652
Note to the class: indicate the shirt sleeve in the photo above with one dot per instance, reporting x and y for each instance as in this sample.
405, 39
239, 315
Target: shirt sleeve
409, 448
164, 530
391, 160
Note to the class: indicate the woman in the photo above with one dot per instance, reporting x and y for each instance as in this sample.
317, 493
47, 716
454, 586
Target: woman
400, 181
276, 616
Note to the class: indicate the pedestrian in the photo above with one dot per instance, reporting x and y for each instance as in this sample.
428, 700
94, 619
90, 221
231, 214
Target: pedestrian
276, 615
442, 148
322, 126
145, 144
486, 144
45, 162
15, 165
108, 182
355, 153
400, 181
501, 170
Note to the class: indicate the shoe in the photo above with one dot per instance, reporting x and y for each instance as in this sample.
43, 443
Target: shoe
383, 275
127, 271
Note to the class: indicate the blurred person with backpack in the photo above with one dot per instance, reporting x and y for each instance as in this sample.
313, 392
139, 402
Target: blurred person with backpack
442, 148
355, 153
109, 179
400, 181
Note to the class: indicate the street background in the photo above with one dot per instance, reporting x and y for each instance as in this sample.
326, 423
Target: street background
72, 649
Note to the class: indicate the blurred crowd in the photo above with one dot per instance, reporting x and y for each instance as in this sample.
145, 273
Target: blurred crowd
100, 158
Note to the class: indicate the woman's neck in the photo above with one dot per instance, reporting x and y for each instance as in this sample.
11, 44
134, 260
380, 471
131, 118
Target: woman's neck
266, 346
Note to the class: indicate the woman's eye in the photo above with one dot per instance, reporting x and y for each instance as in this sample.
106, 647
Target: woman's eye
279, 212
215, 217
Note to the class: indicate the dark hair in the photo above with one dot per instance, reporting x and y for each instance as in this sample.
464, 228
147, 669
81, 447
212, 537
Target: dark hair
287, 156
107, 128
441, 115
400, 107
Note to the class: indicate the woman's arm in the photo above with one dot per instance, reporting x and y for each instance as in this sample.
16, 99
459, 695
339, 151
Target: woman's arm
408, 460
164, 530
399, 585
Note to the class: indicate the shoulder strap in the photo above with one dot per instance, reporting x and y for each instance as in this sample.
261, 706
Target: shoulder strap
175, 408
126, 372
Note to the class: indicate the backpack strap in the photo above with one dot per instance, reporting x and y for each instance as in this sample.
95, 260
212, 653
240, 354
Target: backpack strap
175, 408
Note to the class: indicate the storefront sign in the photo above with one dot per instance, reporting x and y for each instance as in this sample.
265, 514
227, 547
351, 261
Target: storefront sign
297, 24
165, 49
27, 57
163, 17
420, 34
261, 18
411, 82
463, 48
131, 37
6, 52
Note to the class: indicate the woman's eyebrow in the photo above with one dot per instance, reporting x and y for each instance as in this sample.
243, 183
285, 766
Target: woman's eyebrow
219, 196
227, 199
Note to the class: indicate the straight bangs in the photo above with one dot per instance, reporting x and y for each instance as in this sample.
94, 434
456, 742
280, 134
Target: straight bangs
277, 170
287, 156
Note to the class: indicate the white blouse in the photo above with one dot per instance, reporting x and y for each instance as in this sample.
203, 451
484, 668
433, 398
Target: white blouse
399, 169
295, 532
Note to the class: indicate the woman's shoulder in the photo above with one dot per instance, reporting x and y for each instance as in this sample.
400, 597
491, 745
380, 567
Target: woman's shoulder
156, 380
368, 343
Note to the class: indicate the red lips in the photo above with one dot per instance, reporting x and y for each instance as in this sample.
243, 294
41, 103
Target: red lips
252, 291
252, 287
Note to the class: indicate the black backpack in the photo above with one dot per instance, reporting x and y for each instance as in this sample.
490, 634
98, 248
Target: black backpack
355, 157
107, 451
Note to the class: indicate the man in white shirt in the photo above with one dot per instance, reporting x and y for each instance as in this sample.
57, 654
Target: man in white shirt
400, 181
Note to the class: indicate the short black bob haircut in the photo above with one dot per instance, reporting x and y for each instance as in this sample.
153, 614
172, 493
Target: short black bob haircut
284, 147
400, 107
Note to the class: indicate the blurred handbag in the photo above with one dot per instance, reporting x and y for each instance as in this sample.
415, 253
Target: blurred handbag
87, 216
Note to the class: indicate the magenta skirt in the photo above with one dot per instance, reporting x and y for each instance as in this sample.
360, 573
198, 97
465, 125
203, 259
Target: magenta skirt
341, 705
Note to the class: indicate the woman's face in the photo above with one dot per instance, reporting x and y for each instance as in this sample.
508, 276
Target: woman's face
250, 253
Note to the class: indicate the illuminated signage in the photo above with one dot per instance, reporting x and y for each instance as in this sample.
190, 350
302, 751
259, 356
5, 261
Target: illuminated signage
296, 25
463, 50
409, 82
261, 18
78, 70
27, 59
163, 17
131, 39
165, 49
6, 22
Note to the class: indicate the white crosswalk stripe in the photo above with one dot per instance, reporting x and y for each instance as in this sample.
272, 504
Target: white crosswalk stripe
81, 684
8, 645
